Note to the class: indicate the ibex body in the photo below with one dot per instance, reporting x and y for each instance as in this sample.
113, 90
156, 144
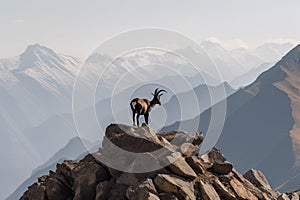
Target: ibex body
144, 106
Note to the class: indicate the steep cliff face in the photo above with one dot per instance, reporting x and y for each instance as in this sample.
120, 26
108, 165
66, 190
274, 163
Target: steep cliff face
180, 172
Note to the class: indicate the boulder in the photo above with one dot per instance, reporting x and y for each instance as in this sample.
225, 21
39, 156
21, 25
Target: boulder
215, 155
222, 168
132, 139
173, 184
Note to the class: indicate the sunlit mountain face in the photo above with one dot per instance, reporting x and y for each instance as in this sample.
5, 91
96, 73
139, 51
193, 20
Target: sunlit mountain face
262, 124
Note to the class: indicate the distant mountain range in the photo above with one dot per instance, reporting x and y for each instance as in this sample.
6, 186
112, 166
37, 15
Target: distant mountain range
36, 95
262, 124
234, 63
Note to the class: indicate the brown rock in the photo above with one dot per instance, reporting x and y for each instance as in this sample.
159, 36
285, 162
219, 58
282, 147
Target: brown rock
257, 178
215, 155
57, 190
110, 190
223, 192
179, 166
222, 168
87, 175
141, 191
176, 185
195, 163
36, 192
293, 196
241, 191
102, 190
208, 192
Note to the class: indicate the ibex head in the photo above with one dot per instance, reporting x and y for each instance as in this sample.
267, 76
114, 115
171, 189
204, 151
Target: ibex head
156, 96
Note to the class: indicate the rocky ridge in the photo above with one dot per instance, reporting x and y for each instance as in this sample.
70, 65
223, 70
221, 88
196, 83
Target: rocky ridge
185, 176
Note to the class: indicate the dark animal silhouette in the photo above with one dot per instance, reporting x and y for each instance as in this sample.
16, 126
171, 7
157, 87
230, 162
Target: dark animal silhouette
144, 106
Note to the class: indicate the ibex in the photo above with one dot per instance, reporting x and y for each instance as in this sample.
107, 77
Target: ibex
144, 106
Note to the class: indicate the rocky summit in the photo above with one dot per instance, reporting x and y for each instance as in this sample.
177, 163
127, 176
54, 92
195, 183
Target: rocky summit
178, 172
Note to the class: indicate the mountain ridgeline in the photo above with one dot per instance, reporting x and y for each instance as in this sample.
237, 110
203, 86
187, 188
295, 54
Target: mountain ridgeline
262, 124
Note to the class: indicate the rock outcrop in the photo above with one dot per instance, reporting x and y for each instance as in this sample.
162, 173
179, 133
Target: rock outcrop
182, 175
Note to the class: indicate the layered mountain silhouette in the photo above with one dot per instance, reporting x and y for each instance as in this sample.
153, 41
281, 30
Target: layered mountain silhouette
35, 103
261, 126
181, 173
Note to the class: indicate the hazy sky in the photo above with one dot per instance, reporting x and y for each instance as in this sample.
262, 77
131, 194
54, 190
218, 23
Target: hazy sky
77, 27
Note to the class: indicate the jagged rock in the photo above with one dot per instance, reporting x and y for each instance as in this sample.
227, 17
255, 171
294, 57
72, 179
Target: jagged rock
208, 192
222, 168
215, 155
241, 191
87, 175
283, 197
223, 192
176, 185
259, 192
188, 149
180, 167
195, 163
257, 178
293, 196
145, 190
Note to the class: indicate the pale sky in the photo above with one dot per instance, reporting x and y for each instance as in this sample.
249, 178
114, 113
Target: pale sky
77, 27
